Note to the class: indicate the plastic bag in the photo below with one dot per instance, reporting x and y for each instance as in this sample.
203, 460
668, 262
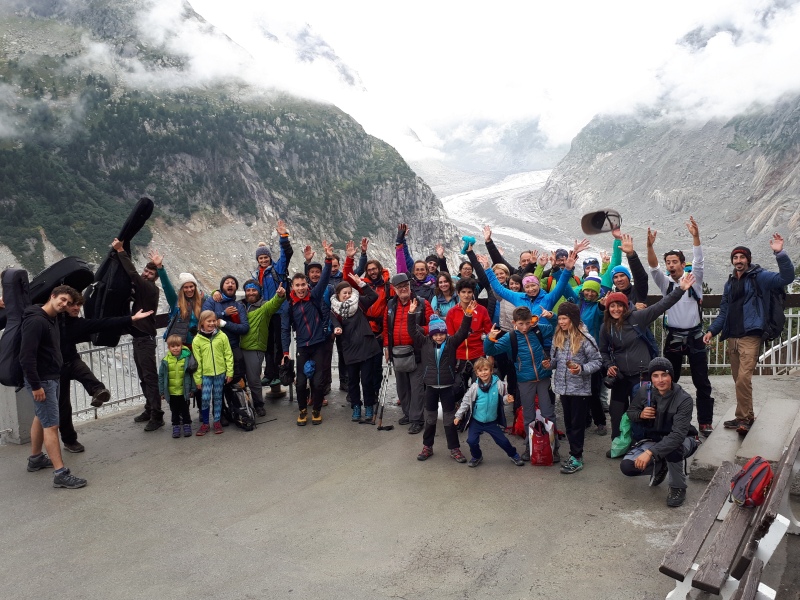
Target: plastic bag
621, 443
542, 441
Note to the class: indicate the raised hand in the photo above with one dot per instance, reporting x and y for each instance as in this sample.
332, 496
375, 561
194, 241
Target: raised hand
542, 258
605, 257
308, 253
470, 307
155, 258
364, 245
280, 227
617, 233
350, 249
217, 296
412, 307
494, 332
402, 230
356, 279
439, 250
328, 249
487, 233
553, 257
687, 281
569, 263
281, 292
580, 246
117, 245
776, 243
484, 260
627, 244
651, 236
694, 230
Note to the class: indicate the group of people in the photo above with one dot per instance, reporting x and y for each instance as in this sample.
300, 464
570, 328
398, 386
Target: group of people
490, 334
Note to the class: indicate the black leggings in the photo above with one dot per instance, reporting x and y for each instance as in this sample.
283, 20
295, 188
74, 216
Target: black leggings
621, 394
432, 398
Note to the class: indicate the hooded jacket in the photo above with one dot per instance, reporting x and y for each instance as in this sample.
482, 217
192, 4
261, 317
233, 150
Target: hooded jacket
40, 348
307, 316
530, 353
232, 329
258, 316
214, 356
275, 274
472, 347
588, 356
172, 300
358, 341
377, 312
175, 365
673, 418
145, 298
468, 401
438, 362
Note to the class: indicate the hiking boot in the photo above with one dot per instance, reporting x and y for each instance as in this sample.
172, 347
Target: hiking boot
744, 426
204, 429
356, 414
474, 462
100, 398
732, 424
457, 455
676, 497
426, 453
706, 429
65, 479
152, 424
302, 418
187, 430
37, 463
218, 428
573, 465
660, 475
601, 430
403, 421
517, 460
74, 447
261, 411
368, 413
316, 417
415, 428
142, 418
176, 431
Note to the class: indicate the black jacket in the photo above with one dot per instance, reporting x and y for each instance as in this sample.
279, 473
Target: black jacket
443, 372
40, 351
145, 298
358, 341
673, 422
74, 330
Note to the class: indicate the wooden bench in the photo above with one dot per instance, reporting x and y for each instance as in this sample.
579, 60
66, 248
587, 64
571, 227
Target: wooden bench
744, 542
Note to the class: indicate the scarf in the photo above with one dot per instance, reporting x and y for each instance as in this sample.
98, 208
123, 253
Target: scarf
345, 309
485, 387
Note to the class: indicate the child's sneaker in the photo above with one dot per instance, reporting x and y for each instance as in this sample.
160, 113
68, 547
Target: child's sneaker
187, 430
218, 428
204, 429
474, 462
457, 455
37, 463
316, 417
426, 453
176, 431
302, 418
517, 460
573, 465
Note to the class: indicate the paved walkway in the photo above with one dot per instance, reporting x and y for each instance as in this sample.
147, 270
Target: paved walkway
336, 511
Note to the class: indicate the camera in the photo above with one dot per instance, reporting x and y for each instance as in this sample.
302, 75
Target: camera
609, 380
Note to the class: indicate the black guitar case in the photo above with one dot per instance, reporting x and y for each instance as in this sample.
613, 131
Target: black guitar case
112, 292
17, 298
72, 271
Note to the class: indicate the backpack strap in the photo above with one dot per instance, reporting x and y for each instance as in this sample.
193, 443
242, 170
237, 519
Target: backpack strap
692, 294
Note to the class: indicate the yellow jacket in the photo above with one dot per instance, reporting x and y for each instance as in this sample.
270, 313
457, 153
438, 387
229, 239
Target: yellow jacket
213, 355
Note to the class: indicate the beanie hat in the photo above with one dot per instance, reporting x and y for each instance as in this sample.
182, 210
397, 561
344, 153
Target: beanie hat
591, 261
621, 269
572, 311
659, 363
592, 282
185, 278
224, 279
263, 250
561, 253
436, 326
742, 250
616, 297
432, 258
530, 279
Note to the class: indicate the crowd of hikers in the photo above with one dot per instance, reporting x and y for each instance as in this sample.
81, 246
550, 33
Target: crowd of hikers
468, 341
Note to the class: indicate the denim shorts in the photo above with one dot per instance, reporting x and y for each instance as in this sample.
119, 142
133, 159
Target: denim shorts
47, 411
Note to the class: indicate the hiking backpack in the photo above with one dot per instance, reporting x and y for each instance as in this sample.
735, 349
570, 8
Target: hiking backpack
750, 486
776, 317
238, 406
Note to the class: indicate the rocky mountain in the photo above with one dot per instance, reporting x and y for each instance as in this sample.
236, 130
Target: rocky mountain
740, 178
96, 110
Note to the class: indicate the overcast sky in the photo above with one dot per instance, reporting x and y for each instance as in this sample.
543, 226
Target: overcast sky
438, 67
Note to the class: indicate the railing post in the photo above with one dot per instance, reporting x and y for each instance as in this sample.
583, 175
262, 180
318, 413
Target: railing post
16, 415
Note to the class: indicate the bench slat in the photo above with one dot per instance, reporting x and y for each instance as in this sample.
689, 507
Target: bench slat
716, 564
680, 557
769, 510
748, 586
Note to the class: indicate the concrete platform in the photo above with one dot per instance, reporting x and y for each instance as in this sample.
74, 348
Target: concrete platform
335, 511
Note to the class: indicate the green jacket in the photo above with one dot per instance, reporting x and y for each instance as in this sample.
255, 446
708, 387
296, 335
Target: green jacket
259, 316
170, 364
213, 355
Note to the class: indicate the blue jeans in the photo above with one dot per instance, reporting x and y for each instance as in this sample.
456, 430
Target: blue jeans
46, 410
476, 428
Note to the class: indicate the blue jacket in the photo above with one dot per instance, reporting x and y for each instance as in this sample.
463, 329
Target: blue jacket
232, 330
309, 316
756, 309
530, 353
591, 312
276, 274
543, 301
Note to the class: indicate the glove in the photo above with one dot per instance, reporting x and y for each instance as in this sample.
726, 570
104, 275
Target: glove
401, 235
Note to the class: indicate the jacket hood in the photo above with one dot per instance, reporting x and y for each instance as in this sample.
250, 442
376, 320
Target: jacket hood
35, 310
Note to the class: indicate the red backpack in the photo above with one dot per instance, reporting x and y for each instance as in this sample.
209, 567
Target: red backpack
750, 486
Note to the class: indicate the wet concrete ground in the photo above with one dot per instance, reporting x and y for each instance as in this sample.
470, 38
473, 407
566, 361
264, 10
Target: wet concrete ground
336, 511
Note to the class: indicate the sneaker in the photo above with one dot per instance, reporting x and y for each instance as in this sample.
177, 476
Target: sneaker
65, 479
142, 418
403, 421
660, 475
261, 411
37, 463
176, 431
527, 456
517, 460
266, 382
426, 453
676, 497
316, 417
187, 430
275, 383
706, 429
218, 428
368, 413
745, 425
153, 425
100, 398
204, 429
573, 465
356, 414
601, 430
415, 428
302, 418
474, 462
732, 424
457, 455
75, 447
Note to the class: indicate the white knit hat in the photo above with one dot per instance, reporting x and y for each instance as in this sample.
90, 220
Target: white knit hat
185, 278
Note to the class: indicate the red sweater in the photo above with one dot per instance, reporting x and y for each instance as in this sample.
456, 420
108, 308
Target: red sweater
472, 348
378, 308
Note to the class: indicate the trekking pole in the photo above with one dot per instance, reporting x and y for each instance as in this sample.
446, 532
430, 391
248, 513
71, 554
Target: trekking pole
384, 377
383, 401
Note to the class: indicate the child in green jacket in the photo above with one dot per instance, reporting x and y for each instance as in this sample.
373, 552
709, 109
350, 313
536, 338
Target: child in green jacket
175, 384
214, 356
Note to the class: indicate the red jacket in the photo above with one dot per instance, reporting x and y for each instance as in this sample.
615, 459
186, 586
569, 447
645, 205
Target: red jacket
472, 348
377, 312
400, 335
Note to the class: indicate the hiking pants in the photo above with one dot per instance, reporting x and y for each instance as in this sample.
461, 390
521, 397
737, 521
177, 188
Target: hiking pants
476, 428
252, 366
179, 409
743, 354
314, 388
445, 395
77, 370
274, 353
528, 391
360, 377
576, 409
144, 357
411, 392
595, 410
697, 353
676, 475
343, 371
